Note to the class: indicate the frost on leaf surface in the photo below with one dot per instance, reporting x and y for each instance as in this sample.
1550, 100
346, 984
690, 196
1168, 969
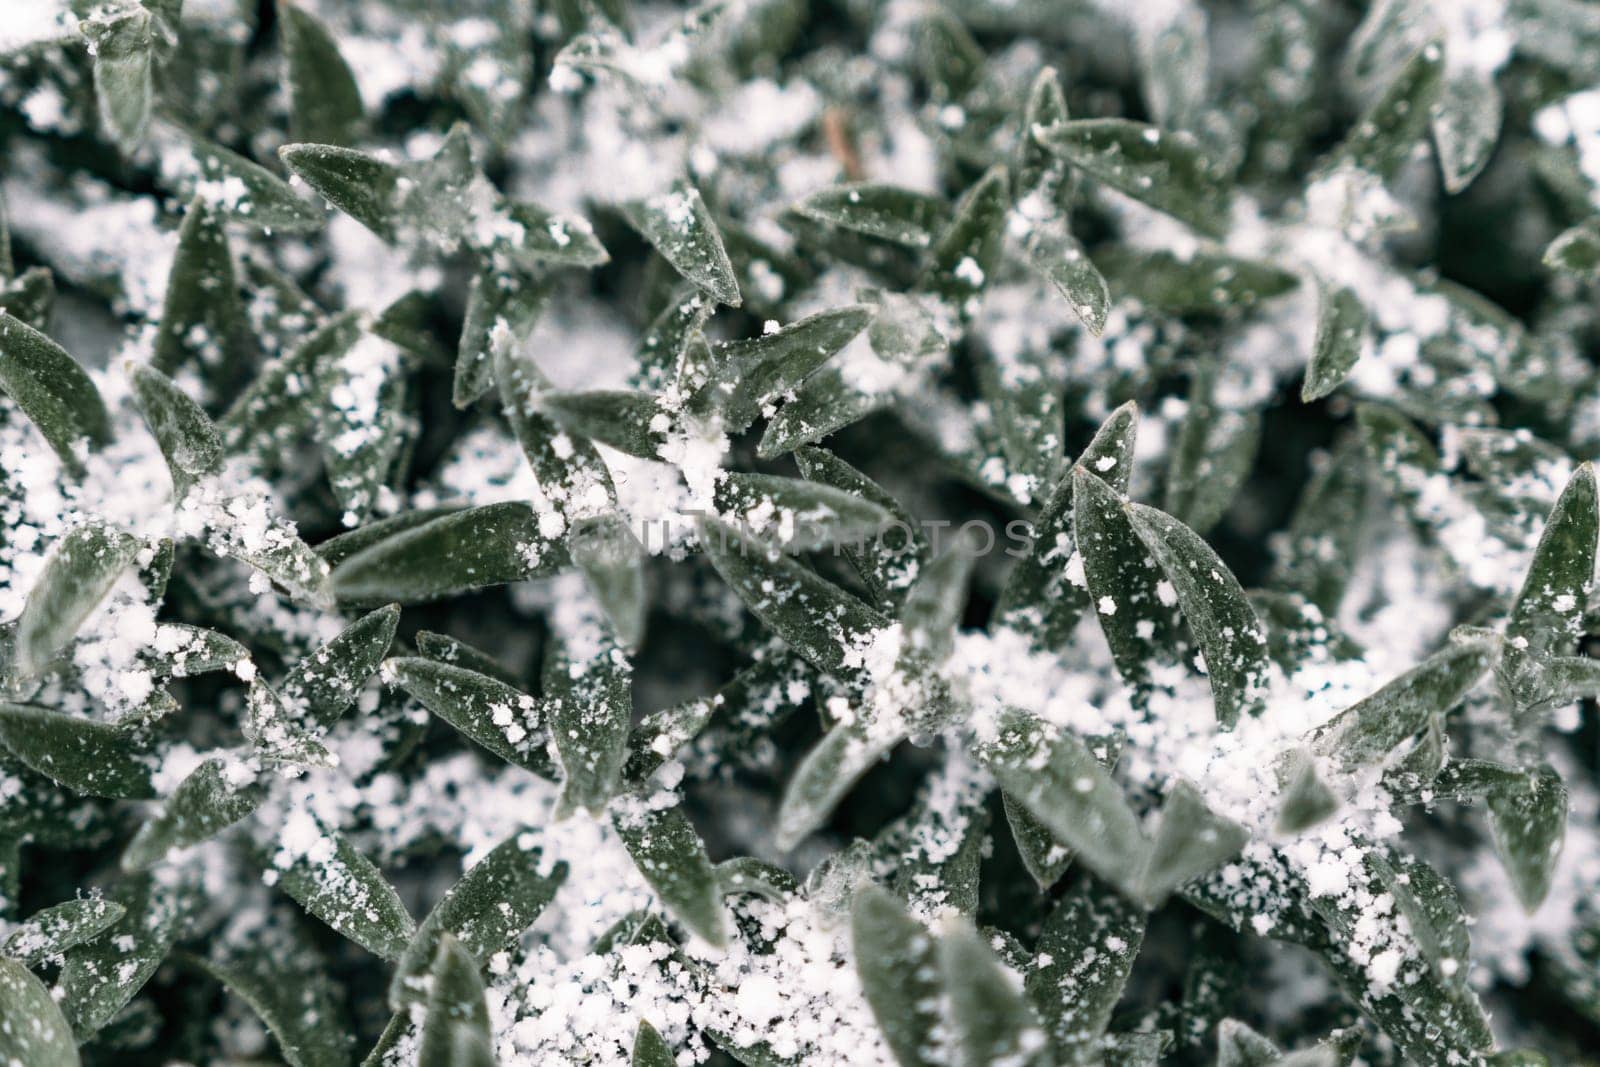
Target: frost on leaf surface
927, 534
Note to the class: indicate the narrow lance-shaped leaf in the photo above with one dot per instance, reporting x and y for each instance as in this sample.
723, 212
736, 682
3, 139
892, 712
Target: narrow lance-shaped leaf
831, 769
1201, 283
85, 755
102, 975
496, 899
1191, 841
51, 931
752, 371
1548, 613
795, 514
1341, 333
449, 554
991, 1019
1132, 600
649, 1050
186, 435
214, 796
81, 570
51, 388
634, 423
1212, 457
324, 683
1168, 171
361, 185
590, 706
672, 858
1219, 614
680, 227
1058, 256
1040, 597
966, 254
324, 102
457, 653
1324, 533
284, 981
816, 618
35, 1032
490, 712
455, 1029
1387, 133
202, 317
264, 201
1466, 125
1367, 730
122, 41
888, 212
1063, 785
1084, 955
890, 562
334, 881
1530, 826
896, 960
611, 560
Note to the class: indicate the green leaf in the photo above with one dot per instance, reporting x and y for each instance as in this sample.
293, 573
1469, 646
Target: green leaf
35, 1034
887, 212
495, 900
1166, 170
1319, 553
122, 41
611, 560
797, 515
102, 975
1212, 457
1061, 260
672, 858
1059, 780
1306, 799
363, 423
966, 255
822, 404
934, 604
456, 653
745, 874
447, 555
325, 683
362, 186
1530, 826
51, 388
499, 302
1084, 955
895, 960
816, 618
751, 372
630, 422
324, 102
1219, 614
992, 1021
1341, 332
1199, 283
1191, 841
649, 1050
279, 404
1039, 172
1124, 581
1466, 125
455, 1030
1576, 251
51, 931
677, 223
186, 435
334, 881
1045, 858
1366, 731
489, 712
266, 201
889, 563
1385, 136
590, 707
830, 770
204, 804
1548, 613
283, 980
80, 572
82, 754
203, 321
659, 354
1038, 598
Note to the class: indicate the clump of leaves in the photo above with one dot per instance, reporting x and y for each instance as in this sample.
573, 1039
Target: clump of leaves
944, 534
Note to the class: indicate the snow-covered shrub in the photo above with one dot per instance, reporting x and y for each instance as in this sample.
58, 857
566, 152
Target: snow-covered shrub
944, 533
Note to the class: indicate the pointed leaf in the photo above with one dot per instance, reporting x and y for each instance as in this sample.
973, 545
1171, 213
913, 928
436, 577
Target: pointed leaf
51, 931
325, 683
992, 1021
888, 212
672, 858
1530, 825
35, 1033
1191, 841
1165, 170
1548, 613
680, 227
82, 754
186, 435
81, 570
1341, 333
51, 389
203, 320
455, 1030
896, 962
590, 706
205, 803
334, 881
324, 102
491, 713
1084, 955
362, 186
